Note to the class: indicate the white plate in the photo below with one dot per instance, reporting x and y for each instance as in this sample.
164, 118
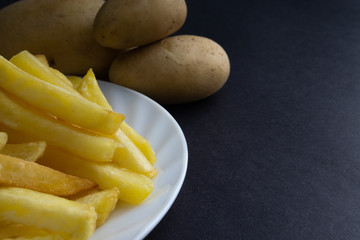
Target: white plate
153, 122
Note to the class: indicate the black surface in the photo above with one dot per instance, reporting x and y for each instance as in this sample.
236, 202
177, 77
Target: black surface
275, 154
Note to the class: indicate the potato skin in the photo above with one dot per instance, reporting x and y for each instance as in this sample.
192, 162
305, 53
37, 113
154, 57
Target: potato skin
59, 29
124, 24
178, 69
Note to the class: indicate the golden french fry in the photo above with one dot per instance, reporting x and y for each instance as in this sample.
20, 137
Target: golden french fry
30, 121
134, 187
103, 201
29, 151
62, 77
135, 153
15, 136
48, 237
3, 139
90, 89
57, 101
130, 157
21, 231
43, 59
73, 220
75, 81
15, 172
140, 142
36, 67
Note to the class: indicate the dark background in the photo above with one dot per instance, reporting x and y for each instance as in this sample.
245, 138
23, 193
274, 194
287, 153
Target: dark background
275, 154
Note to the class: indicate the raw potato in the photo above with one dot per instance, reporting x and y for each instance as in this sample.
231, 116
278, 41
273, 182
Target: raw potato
178, 69
123, 24
59, 29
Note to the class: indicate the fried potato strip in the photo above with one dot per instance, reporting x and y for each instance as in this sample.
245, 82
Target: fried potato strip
30, 121
57, 101
44, 211
3, 139
16, 172
29, 151
133, 187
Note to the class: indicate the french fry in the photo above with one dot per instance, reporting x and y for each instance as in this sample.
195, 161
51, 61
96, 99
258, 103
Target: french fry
47, 237
129, 155
16, 136
103, 201
43, 59
74, 220
29, 151
68, 127
32, 122
3, 139
15, 172
90, 90
21, 231
32, 65
57, 101
75, 81
140, 142
62, 77
134, 187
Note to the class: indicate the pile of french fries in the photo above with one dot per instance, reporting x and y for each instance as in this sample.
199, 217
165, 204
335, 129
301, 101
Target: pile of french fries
66, 157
